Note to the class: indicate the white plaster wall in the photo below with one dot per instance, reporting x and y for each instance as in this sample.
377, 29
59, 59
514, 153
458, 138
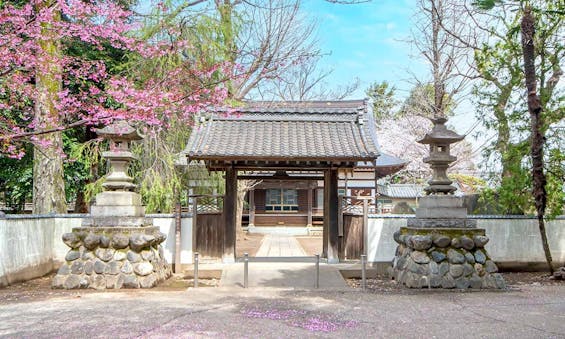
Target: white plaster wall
31, 245
513, 239
166, 225
518, 240
381, 245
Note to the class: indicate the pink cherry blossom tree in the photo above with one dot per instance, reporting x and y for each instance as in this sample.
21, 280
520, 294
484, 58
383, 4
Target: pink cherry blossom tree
44, 90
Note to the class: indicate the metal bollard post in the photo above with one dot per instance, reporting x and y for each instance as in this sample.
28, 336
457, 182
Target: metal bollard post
245, 270
364, 271
317, 270
196, 269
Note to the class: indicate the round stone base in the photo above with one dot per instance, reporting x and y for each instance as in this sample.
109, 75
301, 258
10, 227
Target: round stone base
444, 258
107, 258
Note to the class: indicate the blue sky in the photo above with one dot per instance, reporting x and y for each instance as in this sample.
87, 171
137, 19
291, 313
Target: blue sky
366, 41
369, 41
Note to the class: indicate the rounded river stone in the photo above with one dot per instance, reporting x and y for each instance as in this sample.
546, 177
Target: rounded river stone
77, 267
72, 282
71, 239
120, 241
442, 241
479, 269
72, 255
137, 242
89, 267
99, 266
447, 282
475, 281
420, 257
468, 269
133, 257
91, 241
480, 257
462, 283
470, 258
119, 255
490, 266
434, 267
143, 268
456, 270
104, 241
130, 281
148, 255
455, 257
113, 267
127, 268
148, 281
438, 256
456, 242
396, 236
421, 242
480, 240
105, 254
443, 268
467, 243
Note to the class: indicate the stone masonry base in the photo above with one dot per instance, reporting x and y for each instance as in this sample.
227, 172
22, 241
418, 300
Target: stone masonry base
444, 258
113, 258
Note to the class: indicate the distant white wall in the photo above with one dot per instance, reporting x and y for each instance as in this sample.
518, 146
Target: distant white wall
514, 241
166, 223
31, 245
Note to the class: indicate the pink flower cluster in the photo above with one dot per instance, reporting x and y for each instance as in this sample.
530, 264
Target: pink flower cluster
180, 93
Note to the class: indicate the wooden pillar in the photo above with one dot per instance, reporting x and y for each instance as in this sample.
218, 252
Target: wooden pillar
230, 201
252, 207
309, 223
331, 209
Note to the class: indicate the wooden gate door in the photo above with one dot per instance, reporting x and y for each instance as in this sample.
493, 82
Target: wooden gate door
352, 219
208, 226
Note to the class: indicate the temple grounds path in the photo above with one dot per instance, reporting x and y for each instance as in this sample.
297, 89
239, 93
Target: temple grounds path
526, 311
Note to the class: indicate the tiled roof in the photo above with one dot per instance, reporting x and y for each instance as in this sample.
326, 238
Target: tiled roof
408, 191
313, 130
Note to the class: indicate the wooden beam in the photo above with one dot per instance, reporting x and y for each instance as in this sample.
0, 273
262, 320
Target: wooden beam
230, 201
331, 213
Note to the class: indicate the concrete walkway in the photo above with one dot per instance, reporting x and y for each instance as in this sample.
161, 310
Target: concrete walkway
283, 275
273, 267
280, 245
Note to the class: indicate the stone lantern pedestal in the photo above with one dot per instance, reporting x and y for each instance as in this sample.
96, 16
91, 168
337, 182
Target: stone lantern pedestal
116, 246
440, 247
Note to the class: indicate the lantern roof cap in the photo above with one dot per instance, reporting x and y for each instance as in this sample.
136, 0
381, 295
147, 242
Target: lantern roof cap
119, 130
440, 134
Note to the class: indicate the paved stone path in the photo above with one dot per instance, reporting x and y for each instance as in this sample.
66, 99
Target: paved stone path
280, 245
277, 269
283, 275
532, 312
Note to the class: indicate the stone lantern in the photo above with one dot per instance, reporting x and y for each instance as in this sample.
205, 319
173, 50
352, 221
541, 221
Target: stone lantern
120, 135
441, 247
116, 246
439, 140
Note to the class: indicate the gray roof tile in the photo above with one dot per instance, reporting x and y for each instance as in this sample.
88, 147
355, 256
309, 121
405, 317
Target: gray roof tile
313, 130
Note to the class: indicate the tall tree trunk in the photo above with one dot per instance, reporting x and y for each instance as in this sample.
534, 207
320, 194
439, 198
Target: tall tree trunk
537, 138
48, 184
